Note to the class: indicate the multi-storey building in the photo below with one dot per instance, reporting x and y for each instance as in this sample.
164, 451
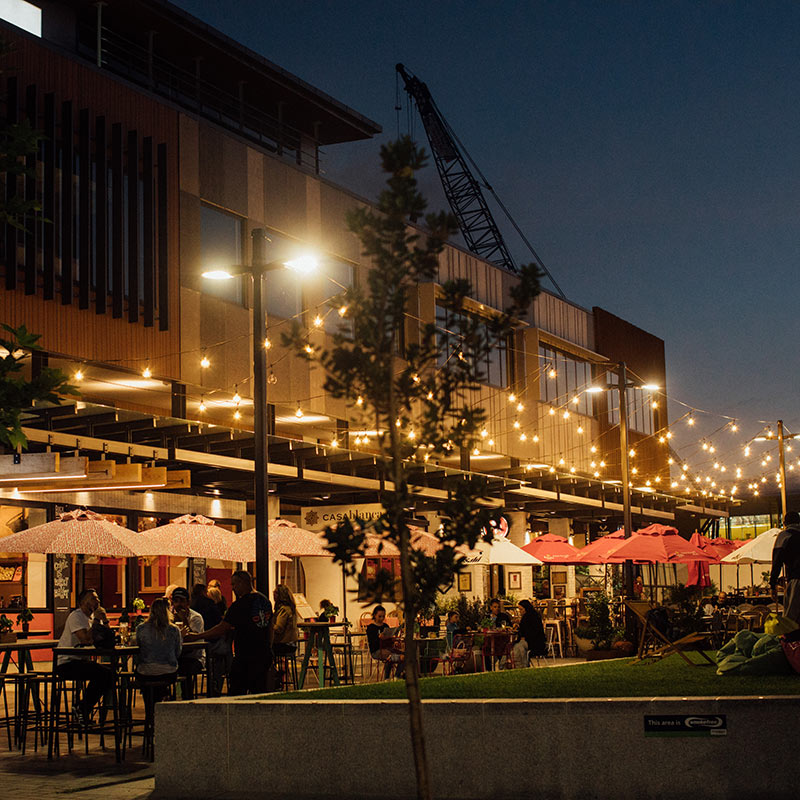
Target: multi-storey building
165, 144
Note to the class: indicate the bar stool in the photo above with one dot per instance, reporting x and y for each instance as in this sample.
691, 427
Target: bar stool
555, 640
287, 665
152, 686
35, 690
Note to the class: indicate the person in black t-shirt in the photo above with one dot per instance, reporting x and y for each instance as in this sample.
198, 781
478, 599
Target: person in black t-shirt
249, 618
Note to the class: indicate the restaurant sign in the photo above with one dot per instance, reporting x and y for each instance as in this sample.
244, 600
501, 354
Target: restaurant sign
685, 725
317, 518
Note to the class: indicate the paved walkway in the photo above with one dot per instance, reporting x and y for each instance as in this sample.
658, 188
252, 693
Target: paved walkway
96, 776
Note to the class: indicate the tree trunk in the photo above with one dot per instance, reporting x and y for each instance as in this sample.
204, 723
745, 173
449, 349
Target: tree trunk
412, 675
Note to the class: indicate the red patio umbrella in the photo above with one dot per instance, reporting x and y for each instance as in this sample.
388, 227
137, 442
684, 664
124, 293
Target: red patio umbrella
657, 544
597, 552
552, 549
698, 570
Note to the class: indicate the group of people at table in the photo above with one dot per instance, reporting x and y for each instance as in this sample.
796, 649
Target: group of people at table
527, 638
255, 629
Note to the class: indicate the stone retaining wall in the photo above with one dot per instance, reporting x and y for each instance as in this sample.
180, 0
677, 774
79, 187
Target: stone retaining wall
504, 749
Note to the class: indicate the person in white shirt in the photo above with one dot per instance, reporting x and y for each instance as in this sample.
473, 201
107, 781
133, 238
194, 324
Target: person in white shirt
77, 632
189, 621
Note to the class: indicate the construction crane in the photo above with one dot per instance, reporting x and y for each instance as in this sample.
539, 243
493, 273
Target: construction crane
462, 188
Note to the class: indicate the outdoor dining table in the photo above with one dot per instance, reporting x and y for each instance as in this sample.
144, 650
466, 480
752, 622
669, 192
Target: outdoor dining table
319, 636
498, 641
118, 658
23, 649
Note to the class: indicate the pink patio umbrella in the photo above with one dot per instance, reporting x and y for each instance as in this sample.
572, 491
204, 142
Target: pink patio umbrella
552, 549
196, 536
82, 532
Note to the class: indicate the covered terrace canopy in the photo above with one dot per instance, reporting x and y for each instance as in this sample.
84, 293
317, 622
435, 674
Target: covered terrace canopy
221, 460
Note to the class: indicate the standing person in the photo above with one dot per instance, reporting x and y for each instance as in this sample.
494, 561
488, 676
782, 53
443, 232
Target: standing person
215, 593
219, 651
78, 632
786, 554
531, 639
188, 621
249, 619
284, 622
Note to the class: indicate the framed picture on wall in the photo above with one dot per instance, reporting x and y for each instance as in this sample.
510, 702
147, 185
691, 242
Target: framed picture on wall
515, 581
464, 581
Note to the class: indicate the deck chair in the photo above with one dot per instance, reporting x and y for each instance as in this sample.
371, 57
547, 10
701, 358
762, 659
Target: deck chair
661, 645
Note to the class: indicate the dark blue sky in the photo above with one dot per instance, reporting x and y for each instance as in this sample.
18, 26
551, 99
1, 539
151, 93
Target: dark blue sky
649, 151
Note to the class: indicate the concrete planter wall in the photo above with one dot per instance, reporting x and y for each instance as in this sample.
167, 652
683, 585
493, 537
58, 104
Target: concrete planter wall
509, 749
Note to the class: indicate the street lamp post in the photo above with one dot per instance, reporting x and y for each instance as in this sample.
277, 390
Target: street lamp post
782, 455
257, 271
627, 520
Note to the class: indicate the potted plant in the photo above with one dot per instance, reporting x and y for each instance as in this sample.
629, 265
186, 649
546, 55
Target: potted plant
7, 634
600, 628
136, 619
330, 611
24, 619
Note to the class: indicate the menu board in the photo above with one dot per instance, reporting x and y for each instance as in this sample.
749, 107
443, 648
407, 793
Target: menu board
304, 610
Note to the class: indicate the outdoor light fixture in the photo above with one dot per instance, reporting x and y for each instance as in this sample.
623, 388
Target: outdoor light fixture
650, 387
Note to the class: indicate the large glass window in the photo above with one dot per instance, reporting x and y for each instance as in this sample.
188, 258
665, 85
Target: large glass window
493, 365
221, 243
564, 377
640, 406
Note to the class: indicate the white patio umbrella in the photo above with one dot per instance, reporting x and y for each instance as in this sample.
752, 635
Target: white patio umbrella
756, 551
500, 551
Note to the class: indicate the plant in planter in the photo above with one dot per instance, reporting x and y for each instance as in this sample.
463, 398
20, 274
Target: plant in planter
330, 611
7, 630
24, 619
599, 632
137, 618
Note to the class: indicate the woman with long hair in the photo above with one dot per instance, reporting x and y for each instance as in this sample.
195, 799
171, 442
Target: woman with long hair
531, 640
284, 621
159, 642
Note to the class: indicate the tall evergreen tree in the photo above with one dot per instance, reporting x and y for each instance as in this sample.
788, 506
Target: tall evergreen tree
421, 398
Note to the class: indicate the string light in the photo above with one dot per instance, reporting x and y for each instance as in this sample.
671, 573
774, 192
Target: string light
236, 397
204, 362
318, 321
202, 406
342, 311
490, 443
690, 421
237, 414
78, 375
476, 452
267, 344
523, 437
551, 411
359, 401
334, 442
520, 407
429, 395
512, 398
565, 415
309, 349
552, 373
580, 428
147, 372
535, 437
412, 435
516, 424
299, 413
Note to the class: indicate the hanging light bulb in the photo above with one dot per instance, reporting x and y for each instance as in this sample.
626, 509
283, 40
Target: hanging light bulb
516, 424
484, 433
593, 449
670, 460
551, 411
747, 450
576, 400
734, 428
147, 372
397, 423
602, 463
299, 413
309, 349
561, 462
236, 396
267, 344
490, 443
204, 362
552, 373
272, 378
476, 452
415, 378
334, 442
669, 434
690, 421
572, 470
580, 428
512, 398
685, 467
632, 453
202, 406
318, 321
359, 401
78, 376
412, 435
237, 414
565, 415
520, 407
523, 437
654, 405
429, 395
535, 437
342, 311
705, 445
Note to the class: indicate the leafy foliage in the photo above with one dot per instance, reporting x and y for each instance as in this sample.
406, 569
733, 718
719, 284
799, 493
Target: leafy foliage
600, 625
18, 393
420, 397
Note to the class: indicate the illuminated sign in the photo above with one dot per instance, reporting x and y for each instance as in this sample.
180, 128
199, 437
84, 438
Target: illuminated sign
24, 15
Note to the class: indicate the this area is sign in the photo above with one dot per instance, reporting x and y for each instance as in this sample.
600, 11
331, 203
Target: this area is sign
685, 725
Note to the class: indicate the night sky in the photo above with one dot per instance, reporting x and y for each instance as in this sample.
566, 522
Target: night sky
648, 150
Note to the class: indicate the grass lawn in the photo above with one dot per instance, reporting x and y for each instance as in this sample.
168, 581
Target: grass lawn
618, 678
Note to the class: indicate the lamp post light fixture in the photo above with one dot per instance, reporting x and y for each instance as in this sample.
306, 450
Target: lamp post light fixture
303, 265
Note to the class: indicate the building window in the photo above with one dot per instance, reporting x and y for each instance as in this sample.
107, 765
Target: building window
492, 365
221, 236
563, 377
640, 406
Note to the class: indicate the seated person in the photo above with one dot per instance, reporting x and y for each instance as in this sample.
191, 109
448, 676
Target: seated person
284, 622
188, 621
498, 618
159, 651
530, 639
78, 632
324, 605
452, 627
722, 600
381, 641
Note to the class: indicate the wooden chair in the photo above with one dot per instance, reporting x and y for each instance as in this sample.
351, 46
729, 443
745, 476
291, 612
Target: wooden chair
660, 643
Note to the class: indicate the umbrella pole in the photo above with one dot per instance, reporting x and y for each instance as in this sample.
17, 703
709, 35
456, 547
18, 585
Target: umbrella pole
752, 579
344, 595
